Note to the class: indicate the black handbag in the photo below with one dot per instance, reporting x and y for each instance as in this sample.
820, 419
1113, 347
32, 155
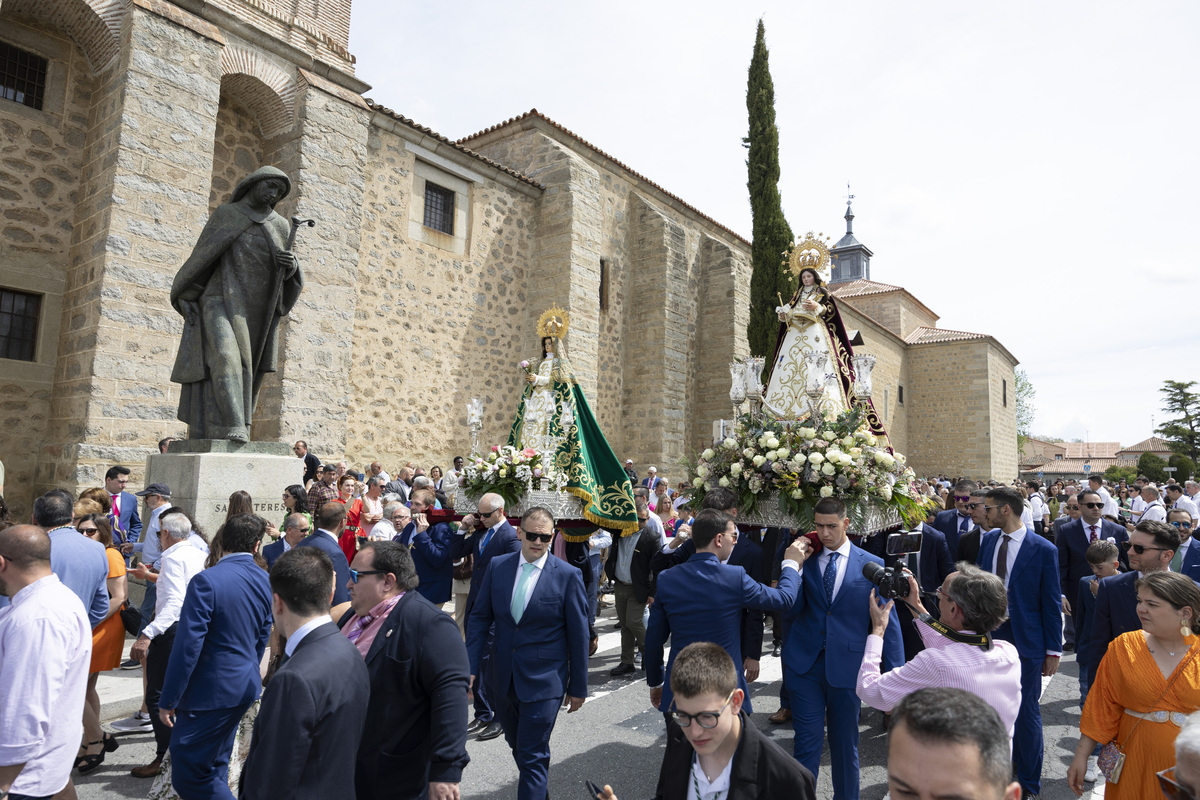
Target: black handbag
131, 618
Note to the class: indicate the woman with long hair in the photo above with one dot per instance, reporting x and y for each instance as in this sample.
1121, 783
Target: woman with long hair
240, 502
108, 639
295, 501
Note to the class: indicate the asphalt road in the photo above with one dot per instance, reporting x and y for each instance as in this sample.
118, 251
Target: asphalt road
617, 738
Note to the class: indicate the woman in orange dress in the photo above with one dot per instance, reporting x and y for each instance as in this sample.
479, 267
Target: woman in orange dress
108, 641
1147, 681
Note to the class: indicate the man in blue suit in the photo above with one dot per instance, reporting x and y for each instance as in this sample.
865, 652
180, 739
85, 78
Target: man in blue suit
483, 536
1028, 565
430, 547
126, 522
295, 529
702, 601
330, 520
957, 522
824, 648
1152, 545
1187, 557
212, 676
1073, 539
540, 647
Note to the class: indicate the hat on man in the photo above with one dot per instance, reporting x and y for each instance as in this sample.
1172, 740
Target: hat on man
629, 461
160, 489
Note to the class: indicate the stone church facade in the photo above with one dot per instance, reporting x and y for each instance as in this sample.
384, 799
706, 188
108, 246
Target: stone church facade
125, 122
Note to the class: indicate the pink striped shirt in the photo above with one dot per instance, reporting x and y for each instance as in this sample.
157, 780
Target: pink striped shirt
994, 675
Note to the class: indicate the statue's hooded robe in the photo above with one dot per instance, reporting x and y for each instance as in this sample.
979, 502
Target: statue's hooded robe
231, 295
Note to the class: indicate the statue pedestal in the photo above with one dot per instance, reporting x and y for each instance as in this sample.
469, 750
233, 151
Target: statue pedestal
202, 473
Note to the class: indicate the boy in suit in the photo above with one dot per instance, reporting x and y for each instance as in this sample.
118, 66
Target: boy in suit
311, 719
539, 649
1102, 556
712, 746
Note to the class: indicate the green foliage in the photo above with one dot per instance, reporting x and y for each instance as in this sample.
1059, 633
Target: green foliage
769, 280
1151, 466
1183, 430
1185, 468
1024, 391
1115, 474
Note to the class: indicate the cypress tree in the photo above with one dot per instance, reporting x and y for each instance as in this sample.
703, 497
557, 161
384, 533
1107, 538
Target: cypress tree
771, 232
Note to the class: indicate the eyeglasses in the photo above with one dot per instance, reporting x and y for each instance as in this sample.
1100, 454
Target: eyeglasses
355, 574
398, 517
974, 505
88, 531
1172, 789
1072, 508
705, 719
538, 537
1139, 548
1092, 505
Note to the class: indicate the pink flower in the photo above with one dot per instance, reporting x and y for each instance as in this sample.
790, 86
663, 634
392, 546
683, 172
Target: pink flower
537, 473
524, 365
495, 448
529, 452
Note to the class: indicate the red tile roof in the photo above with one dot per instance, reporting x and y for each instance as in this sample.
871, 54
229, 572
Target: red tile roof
1074, 466
457, 146
924, 335
1154, 444
1092, 449
535, 114
861, 288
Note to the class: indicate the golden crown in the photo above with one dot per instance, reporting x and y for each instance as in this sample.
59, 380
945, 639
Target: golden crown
553, 322
810, 253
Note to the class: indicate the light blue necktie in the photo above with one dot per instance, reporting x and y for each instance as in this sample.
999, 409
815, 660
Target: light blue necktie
518, 601
830, 577
487, 537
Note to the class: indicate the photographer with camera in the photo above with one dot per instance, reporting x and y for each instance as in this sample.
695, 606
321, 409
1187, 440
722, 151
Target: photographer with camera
959, 650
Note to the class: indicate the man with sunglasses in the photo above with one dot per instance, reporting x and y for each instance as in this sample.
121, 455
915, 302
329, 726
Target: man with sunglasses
1187, 558
1151, 546
956, 523
540, 648
1073, 540
483, 536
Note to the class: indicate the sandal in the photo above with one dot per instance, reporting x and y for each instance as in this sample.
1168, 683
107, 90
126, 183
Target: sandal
86, 763
110, 742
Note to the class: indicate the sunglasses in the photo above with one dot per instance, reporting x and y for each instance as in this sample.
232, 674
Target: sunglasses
705, 719
1092, 505
961, 499
88, 531
538, 537
1139, 548
1180, 524
485, 514
1172, 789
355, 574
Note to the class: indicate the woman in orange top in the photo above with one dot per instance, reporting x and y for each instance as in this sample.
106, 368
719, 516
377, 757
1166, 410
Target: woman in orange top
1147, 681
108, 640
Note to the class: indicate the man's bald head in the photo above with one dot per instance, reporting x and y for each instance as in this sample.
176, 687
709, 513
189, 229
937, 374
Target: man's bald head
25, 546
492, 500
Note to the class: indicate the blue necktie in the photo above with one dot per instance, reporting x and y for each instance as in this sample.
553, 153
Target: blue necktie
962, 528
487, 537
830, 577
518, 601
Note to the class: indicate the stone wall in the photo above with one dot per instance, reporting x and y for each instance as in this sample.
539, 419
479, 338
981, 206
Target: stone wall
1003, 441
238, 149
950, 416
889, 374
897, 311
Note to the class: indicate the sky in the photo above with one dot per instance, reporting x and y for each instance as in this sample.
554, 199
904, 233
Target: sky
1026, 169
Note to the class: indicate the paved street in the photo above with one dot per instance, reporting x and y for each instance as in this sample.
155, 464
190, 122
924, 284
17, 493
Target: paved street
617, 738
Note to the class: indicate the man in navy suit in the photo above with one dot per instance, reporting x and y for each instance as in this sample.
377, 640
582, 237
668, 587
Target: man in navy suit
1187, 557
484, 535
957, 522
651, 480
311, 719
212, 676
1152, 545
416, 710
540, 648
126, 522
430, 547
1073, 539
1028, 565
702, 601
295, 529
331, 519
824, 648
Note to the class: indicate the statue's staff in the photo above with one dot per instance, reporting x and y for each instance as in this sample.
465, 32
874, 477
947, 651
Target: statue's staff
296, 223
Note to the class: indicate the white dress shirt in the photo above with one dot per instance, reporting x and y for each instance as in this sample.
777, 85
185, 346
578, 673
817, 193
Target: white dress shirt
45, 651
330, 534
1110, 505
1185, 503
1136, 507
843, 559
539, 565
718, 788
180, 563
1154, 512
303, 631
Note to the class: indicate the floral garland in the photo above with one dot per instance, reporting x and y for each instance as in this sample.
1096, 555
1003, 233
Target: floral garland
510, 473
802, 462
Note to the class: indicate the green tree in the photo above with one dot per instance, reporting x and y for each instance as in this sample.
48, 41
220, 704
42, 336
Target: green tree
1183, 431
770, 279
1151, 466
1115, 474
1185, 468
1024, 391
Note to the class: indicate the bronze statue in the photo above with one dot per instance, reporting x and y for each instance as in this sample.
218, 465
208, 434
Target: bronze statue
240, 279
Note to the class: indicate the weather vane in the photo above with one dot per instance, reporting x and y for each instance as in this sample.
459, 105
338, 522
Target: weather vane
849, 197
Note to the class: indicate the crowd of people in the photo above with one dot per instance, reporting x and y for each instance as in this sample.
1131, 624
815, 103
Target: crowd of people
314, 655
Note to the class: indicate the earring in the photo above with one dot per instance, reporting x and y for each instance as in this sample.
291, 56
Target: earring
1185, 631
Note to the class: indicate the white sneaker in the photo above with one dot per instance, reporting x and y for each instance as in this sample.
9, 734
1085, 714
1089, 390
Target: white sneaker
1093, 770
138, 723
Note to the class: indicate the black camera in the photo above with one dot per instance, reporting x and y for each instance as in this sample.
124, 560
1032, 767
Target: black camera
892, 582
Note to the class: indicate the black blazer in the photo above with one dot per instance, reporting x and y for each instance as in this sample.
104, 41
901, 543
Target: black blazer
648, 544
968, 545
761, 769
310, 722
416, 726
1116, 613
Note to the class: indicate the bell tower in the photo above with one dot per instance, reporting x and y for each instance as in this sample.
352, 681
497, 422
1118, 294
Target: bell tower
851, 258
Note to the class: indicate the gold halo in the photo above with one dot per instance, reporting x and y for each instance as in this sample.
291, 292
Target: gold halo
553, 323
811, 253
